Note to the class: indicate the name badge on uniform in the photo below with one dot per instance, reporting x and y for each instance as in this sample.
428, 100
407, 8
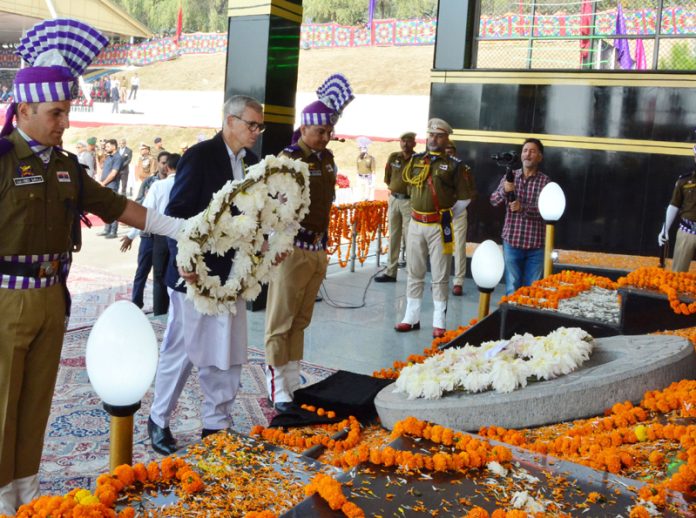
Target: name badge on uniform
63, 176
396, 165
315, 172
443, 167
28, 180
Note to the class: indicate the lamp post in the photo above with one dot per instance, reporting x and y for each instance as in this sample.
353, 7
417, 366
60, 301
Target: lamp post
552, 204
487, 267
121, 359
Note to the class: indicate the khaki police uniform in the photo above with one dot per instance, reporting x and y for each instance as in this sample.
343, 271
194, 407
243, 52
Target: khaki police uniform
451, 181
366, 165
399, 208
291, 296
684, 197
35, 219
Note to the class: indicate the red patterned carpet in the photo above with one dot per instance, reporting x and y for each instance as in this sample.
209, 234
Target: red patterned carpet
76, 450
93, 290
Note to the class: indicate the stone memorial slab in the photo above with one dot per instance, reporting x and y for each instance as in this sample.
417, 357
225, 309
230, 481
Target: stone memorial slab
621, 368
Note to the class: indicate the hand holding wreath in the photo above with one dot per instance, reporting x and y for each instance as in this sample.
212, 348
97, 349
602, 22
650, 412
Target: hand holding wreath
272, 200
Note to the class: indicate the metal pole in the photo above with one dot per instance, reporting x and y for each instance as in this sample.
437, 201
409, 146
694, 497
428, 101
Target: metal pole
379, 244
353, 246
121, 438
484, 304
548, 264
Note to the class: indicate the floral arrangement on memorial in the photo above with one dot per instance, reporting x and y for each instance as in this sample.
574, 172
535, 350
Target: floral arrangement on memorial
365, 219
172, 471
272, 199
500, 365
672, 284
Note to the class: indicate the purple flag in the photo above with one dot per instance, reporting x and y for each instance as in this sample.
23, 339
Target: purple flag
623, 55
370, 20
641, 61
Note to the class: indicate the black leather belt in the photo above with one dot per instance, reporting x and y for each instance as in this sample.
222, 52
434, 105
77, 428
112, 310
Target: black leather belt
36, 270
400, 196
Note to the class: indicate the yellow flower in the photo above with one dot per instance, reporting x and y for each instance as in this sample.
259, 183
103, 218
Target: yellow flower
82, 494
90, 500
641, 432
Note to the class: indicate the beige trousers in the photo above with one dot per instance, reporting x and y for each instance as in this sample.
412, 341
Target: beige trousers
31, 338
291, 299
425, 240
399, 218
459, 228
684, 248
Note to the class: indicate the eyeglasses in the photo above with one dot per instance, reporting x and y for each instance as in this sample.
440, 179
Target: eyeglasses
252, 125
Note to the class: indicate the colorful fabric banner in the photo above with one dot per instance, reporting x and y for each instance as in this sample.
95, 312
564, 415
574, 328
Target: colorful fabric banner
623, 54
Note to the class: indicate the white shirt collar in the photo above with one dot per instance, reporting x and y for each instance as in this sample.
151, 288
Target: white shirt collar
237, 162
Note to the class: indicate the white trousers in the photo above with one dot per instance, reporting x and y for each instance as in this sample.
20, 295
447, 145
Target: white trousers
219, 386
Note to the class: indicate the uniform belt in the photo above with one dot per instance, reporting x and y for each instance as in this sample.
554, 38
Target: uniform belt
426, 217
691, 225
36, 270
400, 196
309, 240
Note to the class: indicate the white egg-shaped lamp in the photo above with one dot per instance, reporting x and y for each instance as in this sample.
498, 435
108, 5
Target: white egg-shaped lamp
552, 202
121, 360
121, 354
487, 265
487, 268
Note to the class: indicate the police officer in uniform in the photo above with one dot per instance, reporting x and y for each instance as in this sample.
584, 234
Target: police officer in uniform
399, 203
291, 296
683, 203
43, 189
440, 188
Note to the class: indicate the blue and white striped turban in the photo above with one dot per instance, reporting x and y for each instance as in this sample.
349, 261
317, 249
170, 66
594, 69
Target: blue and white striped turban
58, 52
334, 95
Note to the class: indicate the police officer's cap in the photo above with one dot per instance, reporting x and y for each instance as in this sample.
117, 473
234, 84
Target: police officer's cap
439, 126
144, 146
408, 134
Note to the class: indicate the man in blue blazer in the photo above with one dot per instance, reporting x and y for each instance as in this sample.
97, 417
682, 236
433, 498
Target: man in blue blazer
215, 344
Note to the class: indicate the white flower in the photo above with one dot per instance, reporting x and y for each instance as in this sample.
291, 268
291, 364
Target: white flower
497, 469
501, 365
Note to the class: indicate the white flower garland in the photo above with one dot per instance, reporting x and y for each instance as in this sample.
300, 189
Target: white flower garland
273, 198
501, 365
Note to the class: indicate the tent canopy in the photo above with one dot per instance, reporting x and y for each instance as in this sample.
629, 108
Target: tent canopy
16, 16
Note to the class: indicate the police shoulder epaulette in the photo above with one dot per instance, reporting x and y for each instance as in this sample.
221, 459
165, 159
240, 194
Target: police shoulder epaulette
327, 150
292, 149
686, 175
68, 154
5, 146
455, 159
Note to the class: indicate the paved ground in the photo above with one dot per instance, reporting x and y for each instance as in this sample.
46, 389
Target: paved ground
360, 340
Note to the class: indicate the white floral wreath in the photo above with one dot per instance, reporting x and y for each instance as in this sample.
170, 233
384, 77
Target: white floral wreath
272, 200
502, 365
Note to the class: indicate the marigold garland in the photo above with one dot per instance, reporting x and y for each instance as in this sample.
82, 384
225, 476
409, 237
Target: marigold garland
367, 217
670, 283
82, 502
330, 490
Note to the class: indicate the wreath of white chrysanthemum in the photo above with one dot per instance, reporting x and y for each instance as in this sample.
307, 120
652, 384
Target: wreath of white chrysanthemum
501, 365
272, 200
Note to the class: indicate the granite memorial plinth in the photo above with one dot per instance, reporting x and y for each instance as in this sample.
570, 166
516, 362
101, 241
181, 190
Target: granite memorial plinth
621, 368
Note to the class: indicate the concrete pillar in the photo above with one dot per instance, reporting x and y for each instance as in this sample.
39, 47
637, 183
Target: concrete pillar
263, 46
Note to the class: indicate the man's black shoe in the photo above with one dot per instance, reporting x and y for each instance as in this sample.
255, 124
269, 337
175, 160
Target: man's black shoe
161, 438
385, 278
285, 407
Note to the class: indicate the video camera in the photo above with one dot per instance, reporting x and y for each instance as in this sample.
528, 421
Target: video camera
510, 160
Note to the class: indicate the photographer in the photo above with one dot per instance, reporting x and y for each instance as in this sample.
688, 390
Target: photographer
523, 230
